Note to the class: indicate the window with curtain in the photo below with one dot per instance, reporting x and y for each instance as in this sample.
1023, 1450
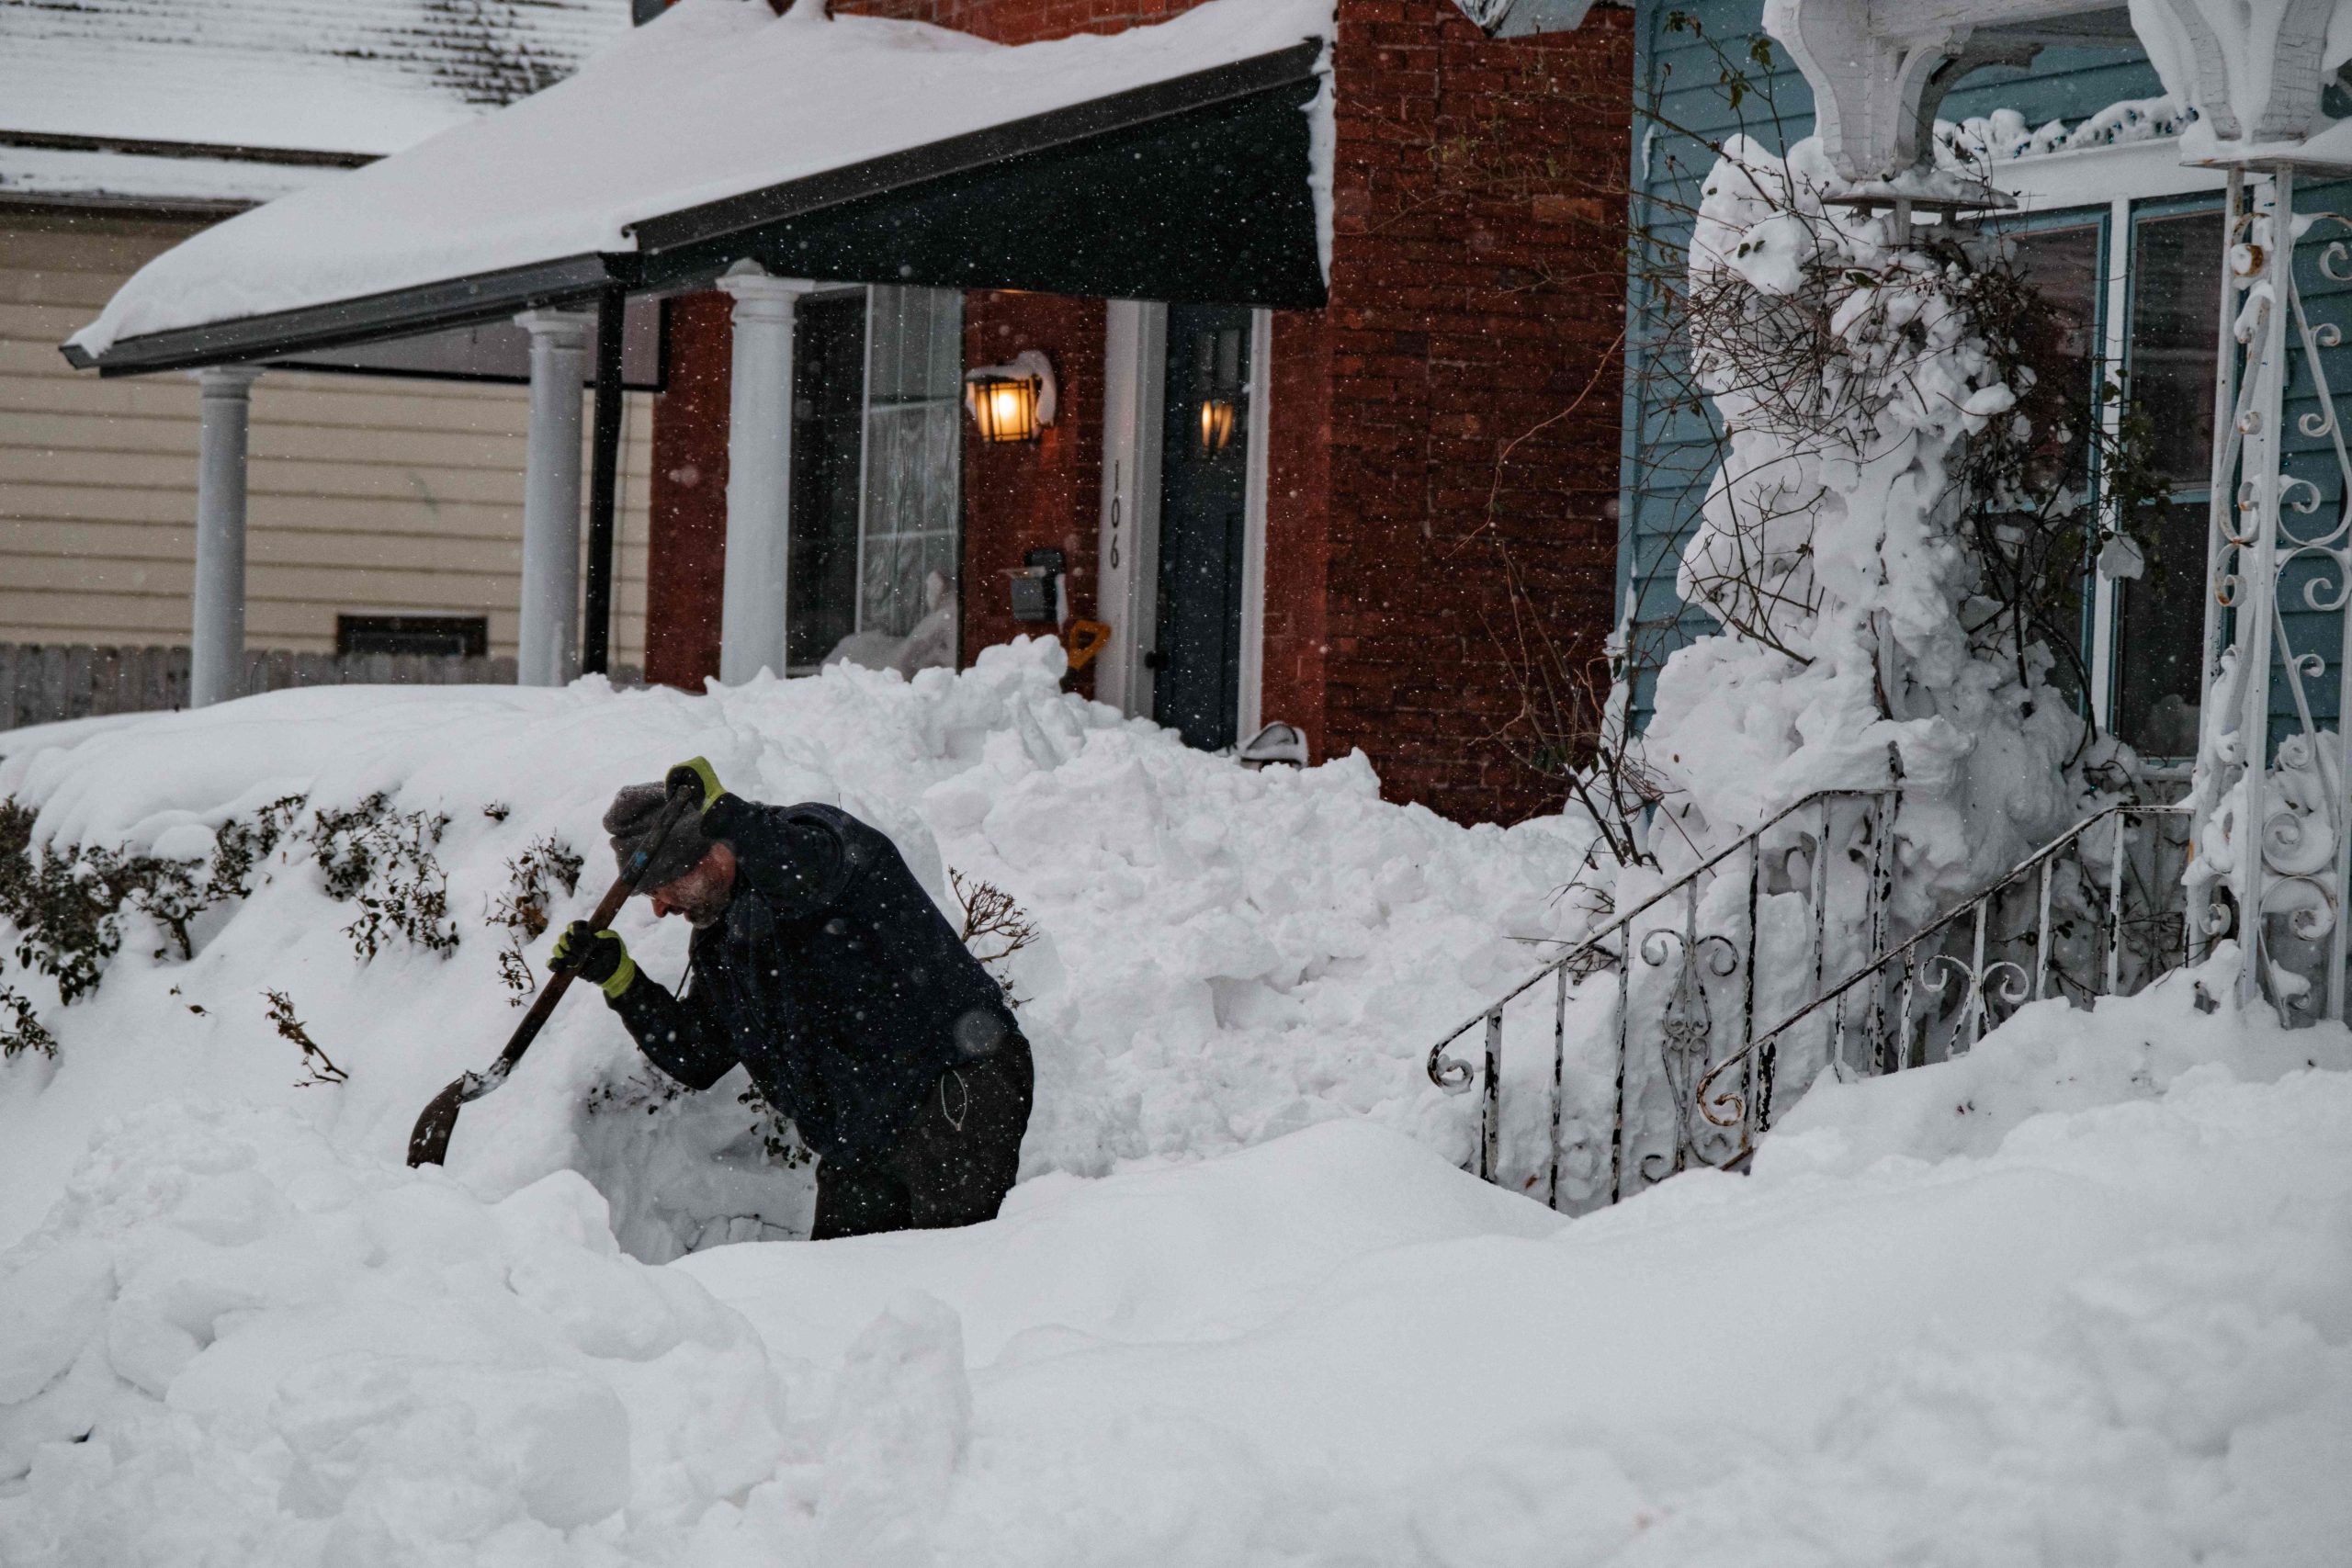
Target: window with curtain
913, 449
877, 470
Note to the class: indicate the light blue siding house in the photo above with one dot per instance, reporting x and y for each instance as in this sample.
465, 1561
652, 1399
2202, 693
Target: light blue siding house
2122, 236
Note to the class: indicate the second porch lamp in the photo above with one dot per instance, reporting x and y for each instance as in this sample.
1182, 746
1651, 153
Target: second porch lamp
1012, 402
1217, 382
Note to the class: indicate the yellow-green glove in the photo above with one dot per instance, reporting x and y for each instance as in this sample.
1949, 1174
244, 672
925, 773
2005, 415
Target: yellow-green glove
599, 956
697, 775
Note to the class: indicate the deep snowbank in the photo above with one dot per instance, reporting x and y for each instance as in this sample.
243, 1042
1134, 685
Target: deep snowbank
1228, 955
2106, 1325
2077, 1298
288, 1354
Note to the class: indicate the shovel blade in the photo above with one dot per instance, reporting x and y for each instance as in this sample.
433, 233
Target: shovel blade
429, 1144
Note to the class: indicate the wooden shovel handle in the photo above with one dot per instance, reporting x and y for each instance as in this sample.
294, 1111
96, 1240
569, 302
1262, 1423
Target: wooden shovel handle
429, 1142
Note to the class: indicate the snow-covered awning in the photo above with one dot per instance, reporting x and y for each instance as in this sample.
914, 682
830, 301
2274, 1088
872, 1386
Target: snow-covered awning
1186, 161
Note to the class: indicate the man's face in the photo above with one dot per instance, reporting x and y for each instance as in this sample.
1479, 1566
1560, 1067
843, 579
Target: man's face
701, 895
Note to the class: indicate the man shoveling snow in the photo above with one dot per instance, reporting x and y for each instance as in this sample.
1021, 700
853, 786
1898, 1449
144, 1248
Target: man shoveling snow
819, 964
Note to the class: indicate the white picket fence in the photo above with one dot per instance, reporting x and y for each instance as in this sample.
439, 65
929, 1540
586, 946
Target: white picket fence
42, 683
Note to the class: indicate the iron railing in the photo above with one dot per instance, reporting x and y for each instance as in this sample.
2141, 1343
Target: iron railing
2269, 794
2096, 911
2097, 924
1771, 856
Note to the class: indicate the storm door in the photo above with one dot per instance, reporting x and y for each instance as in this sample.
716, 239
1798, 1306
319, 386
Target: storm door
827, 429
1204, 502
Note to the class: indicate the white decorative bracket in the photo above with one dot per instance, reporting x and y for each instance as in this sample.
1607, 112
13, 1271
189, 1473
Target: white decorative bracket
1880, 71
2253, 69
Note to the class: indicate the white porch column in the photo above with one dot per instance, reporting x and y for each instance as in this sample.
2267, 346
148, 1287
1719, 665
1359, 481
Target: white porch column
759, 472
548, 645
217, 645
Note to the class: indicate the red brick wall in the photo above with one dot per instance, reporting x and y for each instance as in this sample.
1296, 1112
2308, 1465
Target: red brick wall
1022, 21
1298, 520
685, 564
686, 561
1048, 494
1016, 497
1477, 309
1020, 497
1457, 406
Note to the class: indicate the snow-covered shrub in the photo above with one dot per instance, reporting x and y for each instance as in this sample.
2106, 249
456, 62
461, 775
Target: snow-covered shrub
1894, 539
547, 867
65, 905
995, 927
318, 1068
67, 909
383, 860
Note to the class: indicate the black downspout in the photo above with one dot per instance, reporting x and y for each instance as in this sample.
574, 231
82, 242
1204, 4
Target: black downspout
597, 636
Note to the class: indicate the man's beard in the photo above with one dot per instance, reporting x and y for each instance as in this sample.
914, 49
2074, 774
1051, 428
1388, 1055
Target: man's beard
703, 914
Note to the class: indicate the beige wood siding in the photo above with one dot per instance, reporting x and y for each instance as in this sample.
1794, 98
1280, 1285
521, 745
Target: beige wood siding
369, 495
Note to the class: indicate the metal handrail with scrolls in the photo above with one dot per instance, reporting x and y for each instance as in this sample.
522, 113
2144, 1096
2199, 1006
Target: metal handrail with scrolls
1594, 952
1975, 976
1685, 1026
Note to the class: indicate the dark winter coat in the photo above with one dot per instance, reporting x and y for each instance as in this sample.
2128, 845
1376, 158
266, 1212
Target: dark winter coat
833, 980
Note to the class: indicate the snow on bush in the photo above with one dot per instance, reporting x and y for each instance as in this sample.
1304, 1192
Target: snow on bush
1850, 372
1894, 500
1226, 955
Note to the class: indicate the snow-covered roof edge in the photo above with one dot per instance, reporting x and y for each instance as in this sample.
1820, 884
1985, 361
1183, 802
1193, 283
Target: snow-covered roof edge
352, 76
143, 177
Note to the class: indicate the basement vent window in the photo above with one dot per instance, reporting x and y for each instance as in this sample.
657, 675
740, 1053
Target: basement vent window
436, 636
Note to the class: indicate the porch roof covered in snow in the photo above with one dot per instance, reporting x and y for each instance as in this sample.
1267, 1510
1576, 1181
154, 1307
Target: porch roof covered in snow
1185, 160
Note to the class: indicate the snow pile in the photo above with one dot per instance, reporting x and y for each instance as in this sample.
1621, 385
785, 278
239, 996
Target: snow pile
284, 1354
2078, 1298
1227, 956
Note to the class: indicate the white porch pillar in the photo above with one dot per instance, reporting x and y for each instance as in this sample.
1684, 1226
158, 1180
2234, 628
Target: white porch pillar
548, 645
759, 472
217, 645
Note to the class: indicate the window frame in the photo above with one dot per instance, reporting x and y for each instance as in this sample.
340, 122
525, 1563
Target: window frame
2072, 190
868, 296
470, 628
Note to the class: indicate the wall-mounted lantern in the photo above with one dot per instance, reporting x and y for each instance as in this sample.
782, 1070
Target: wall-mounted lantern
1217, 388
1012, 402
1217, 425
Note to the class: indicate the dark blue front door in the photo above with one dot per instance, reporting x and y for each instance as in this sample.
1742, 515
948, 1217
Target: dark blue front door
1204, 492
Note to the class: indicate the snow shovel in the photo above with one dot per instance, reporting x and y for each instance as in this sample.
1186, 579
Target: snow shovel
429, 1144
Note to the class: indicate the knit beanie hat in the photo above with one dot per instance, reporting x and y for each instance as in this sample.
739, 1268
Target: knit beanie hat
632, 818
